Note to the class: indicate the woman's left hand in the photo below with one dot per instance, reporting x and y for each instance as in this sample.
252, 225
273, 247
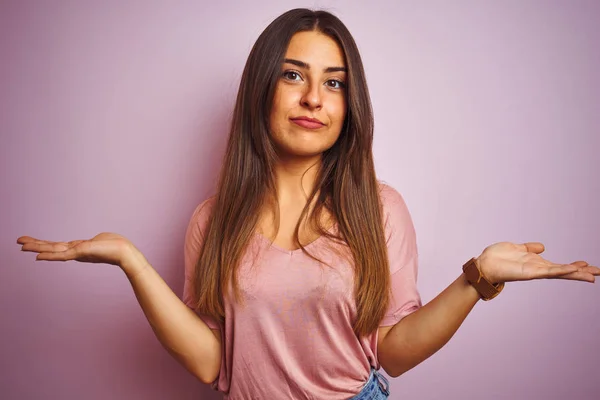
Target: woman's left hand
505, 262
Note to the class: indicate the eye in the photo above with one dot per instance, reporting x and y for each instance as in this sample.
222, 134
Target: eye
291, 75
336, 84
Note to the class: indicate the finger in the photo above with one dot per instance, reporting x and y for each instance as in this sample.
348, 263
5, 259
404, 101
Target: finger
68, 255
44, 247
591, 269
582, 276
29, 239
533, 247
586, 268
25, 239
580, 264
543, 271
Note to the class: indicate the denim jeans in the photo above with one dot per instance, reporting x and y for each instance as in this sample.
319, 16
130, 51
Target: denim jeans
376, 388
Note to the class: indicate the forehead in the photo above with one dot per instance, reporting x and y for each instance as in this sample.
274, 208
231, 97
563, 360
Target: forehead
315, 48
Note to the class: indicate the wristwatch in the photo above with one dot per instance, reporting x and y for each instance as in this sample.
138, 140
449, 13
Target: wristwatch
486, 289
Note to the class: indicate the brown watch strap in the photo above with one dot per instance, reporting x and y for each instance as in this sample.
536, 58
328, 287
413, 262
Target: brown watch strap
485, 288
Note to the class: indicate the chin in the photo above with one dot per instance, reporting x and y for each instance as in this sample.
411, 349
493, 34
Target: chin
303, 151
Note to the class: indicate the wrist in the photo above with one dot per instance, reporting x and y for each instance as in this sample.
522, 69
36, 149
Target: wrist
476, 277
468, 287
134, 262
484, 272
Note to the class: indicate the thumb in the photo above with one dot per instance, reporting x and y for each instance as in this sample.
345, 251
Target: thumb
533, 247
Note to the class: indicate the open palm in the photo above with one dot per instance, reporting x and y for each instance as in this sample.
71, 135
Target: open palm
108, 248
505, 262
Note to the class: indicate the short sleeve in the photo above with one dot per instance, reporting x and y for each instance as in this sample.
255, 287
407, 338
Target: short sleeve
401, 243
193, 240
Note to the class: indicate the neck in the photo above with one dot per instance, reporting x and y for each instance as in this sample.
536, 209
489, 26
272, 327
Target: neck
295, 178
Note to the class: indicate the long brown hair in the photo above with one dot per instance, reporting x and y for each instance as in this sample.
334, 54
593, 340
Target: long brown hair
346, 183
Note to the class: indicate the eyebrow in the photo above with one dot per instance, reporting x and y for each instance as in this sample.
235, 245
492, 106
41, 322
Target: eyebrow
304, 65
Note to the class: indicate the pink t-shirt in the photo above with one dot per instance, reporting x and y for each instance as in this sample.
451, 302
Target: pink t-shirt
293, 338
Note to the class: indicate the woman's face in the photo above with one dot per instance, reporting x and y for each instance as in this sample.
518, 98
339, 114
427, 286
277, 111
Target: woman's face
309, 106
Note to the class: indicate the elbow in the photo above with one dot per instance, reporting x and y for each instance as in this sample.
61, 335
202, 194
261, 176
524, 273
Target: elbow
205, 367
207, 381
396, 373
206, 374
388, 370
392, 373
204, 377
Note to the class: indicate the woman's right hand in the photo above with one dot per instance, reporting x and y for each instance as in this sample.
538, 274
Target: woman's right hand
108, 248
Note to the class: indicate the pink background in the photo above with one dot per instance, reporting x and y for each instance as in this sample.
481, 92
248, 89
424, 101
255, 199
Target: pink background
113, 117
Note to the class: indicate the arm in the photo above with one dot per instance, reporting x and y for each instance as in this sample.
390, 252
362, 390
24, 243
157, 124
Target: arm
181, 332
419, 335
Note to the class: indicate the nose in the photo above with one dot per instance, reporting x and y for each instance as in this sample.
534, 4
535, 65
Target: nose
312, 97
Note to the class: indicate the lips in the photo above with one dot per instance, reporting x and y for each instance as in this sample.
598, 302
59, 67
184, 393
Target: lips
308, 123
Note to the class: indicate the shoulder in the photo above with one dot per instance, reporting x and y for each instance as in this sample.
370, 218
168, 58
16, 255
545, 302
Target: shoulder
396, 215
390, 197
202, 212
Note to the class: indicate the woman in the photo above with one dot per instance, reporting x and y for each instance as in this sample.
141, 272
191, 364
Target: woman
302, 268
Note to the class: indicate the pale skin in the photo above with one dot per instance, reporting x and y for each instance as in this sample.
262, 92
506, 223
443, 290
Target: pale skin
312, 85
